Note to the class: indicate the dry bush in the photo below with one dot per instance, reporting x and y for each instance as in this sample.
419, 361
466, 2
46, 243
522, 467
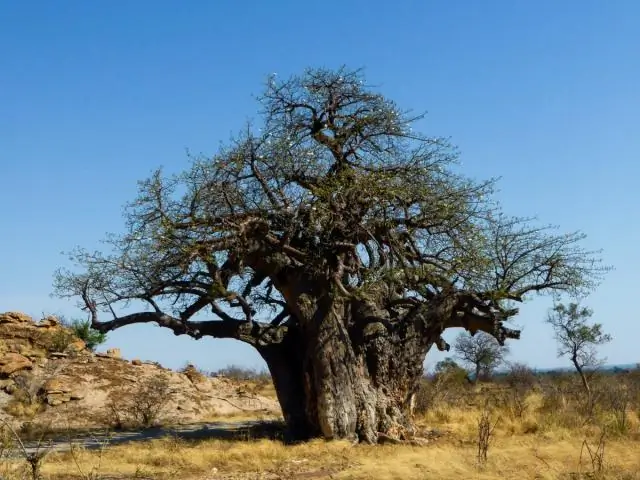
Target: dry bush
486, 428
26, 400
595, 454
520, 380
143, 407
57, 339
633, 381
617, 399
449, 386
33, 459
564, 403
27, 397
88, 470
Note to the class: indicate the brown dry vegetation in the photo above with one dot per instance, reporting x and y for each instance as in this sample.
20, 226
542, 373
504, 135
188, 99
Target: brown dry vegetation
541, 431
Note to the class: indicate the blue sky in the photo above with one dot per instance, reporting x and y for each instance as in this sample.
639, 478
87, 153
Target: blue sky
95, 95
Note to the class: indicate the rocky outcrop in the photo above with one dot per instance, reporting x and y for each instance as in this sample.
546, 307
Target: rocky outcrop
14, 317
78, 388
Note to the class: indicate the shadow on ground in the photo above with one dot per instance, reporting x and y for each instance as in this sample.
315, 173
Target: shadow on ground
230, 431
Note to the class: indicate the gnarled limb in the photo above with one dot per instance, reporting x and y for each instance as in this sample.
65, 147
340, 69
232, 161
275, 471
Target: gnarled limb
256, 334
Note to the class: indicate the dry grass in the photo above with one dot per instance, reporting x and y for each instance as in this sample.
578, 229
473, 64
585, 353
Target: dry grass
531, 447
549, 456
548, 439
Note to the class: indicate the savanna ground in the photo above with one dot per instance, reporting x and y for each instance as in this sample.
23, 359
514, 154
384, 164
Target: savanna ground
531, 426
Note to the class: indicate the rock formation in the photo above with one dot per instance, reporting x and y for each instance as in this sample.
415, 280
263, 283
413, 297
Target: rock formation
53, 378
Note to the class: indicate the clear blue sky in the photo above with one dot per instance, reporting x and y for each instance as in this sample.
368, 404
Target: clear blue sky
96, 94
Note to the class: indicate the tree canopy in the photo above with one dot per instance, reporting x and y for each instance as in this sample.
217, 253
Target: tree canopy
337, 184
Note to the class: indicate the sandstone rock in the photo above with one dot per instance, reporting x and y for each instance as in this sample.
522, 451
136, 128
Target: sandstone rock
78, 394
48, 322
55, 399
114, 353
14, 317
76, 346
34, 355
13, 362
88, 380
56, 385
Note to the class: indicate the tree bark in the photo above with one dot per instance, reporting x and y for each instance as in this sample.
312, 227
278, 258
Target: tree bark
285, 366
349, 373
585, 382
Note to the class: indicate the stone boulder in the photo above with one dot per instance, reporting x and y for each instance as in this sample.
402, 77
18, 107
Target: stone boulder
76, 346
58, 390
14, 317
56, 385
11, 363
49, 322
114, 353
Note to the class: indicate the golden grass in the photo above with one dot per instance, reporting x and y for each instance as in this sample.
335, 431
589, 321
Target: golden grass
543, 443
535, 446
512, 457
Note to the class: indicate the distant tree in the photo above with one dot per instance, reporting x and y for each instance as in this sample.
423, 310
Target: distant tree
450, 370
448, 364
481, 352
83, 330
578, 340
337, 240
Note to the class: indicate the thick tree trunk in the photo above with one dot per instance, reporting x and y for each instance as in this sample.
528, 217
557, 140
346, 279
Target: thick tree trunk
346, 375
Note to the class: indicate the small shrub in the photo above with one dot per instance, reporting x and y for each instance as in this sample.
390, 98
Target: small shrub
618, 402
150, 399
447, 384
25, 401
82, 330
595, 454
485, 432
58, 340
143, 407
554, 395
520, 379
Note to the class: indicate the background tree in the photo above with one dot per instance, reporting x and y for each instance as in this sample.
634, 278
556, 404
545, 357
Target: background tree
337, 241
481, 352
578, 340
449, 370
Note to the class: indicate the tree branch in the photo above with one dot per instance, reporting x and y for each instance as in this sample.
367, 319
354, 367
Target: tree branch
251, 333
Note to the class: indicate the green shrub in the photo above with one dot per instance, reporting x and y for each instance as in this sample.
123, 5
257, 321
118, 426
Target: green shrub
91, 337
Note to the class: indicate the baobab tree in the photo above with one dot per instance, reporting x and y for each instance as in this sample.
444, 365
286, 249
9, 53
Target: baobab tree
338, 242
